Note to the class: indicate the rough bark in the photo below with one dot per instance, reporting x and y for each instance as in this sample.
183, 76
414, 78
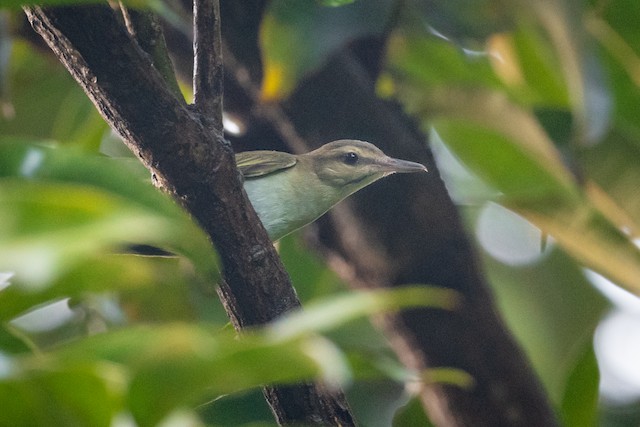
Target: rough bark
189, 158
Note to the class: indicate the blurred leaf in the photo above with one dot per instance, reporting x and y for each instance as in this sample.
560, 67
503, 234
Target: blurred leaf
611, 25
544, 64
449, 376
613, 166
247, 409
508, 149
296, 36
560, 25
580, 400
61, 206
47, 228
158, 369
591, 238
6, 108
77, 123
552, 309
312, 278
521, 170
374, 402
327, 314
369, 365
180, 369
463, 186
468, 22
411, 59
526, 64
47, 102
411, 415
106, 273
10, 343
336, 3
75, 396
166, 367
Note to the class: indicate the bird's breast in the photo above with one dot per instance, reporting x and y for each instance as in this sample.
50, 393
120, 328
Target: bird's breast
285, 202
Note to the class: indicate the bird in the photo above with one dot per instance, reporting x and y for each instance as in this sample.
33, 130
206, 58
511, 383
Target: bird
289, 191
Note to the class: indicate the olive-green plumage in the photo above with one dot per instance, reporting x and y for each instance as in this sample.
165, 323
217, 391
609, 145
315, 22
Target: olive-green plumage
289, 191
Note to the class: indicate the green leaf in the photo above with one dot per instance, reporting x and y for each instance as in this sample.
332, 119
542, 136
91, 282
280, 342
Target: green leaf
336, 3
411, 58
591, 238
296, 36
61, 206
47, 101
613, 166
312, 278
552, 309
247, 408
612, 27
507, 148
516, 168
505, 143
167, 383
56, 224
327, 314
536, 64
10, 343
105, 273
156, 370
412, 414
57, 397
580, 401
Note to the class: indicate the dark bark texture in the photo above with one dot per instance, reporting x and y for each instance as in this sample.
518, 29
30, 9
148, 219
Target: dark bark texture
189, 159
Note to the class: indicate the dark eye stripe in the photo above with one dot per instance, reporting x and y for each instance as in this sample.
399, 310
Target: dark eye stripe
350, 158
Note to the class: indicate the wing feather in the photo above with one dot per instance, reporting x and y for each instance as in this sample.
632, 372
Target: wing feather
258, 163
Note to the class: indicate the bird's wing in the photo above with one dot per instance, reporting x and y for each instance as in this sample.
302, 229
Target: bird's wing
258, 163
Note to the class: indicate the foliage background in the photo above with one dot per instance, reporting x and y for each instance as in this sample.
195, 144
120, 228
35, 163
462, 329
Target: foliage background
532, 112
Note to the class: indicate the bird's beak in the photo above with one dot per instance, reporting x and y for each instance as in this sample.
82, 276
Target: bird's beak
390, 165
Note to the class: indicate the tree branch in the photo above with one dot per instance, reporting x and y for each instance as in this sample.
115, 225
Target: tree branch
144, 26
207, 66
194, 164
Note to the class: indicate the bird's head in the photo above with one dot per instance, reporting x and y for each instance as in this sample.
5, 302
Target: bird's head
289, 191
349, 165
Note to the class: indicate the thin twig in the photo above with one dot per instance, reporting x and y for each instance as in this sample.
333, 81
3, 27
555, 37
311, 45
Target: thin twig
207, 66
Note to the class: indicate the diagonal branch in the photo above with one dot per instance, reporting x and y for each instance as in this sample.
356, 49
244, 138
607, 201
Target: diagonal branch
193, 163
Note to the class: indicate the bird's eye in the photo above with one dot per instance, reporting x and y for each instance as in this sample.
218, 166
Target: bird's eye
350, 158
